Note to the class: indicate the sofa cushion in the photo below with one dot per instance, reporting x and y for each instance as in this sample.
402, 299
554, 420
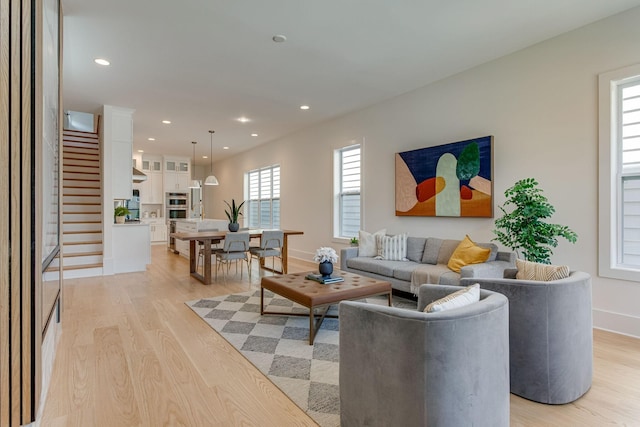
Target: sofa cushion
528, 270
461, 298
431, 250
392, 248
415, 248
450, 278
405, 270
467, 253
494, 250
371, 265
446, 250
367, 242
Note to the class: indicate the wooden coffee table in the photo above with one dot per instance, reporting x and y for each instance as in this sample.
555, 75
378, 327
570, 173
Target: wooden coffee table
314, 295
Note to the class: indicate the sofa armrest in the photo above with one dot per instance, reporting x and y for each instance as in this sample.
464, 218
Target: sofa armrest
485, 269
345, 254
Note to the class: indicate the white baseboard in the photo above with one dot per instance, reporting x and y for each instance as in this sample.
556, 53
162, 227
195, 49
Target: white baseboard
616, 322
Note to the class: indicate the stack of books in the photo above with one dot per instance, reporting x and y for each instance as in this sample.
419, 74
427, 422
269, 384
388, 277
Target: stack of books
324, 279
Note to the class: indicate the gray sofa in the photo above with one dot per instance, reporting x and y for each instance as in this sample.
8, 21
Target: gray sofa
550, 335
430, 256
402, 367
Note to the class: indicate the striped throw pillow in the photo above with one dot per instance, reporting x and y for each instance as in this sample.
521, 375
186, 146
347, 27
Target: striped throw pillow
392, 248
528, 270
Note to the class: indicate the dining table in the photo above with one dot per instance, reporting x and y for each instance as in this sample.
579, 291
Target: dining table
208, 237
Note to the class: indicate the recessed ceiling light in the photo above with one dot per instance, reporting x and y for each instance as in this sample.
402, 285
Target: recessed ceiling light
304, 107
101, 61
243, 119
140, 151
279, 38
166, 122
151, 139
254, 134
225, 148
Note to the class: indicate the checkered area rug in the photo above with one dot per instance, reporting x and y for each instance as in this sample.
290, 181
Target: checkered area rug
278, 345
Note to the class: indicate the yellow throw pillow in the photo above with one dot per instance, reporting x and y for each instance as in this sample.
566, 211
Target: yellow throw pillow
528, 270
467, 253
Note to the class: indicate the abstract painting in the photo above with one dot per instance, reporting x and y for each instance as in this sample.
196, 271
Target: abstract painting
454, 180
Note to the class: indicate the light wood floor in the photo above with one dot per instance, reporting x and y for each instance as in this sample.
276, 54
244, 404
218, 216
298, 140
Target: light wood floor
133, 354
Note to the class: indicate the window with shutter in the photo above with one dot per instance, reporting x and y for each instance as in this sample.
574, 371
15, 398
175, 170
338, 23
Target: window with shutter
619, 205
263, 189
347, 206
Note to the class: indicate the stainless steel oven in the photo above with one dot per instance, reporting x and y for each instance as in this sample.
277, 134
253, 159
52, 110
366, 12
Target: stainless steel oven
177, 205
176, 213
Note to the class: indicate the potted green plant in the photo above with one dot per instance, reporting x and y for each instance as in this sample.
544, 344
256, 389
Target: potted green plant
120, 212
354, 241
523, 228
233, 213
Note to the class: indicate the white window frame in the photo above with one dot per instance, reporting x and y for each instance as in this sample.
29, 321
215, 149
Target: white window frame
337, 199
260, 200
611, 174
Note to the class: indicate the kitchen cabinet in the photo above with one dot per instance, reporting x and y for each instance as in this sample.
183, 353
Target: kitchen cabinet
157, 229
177, 174
152, 190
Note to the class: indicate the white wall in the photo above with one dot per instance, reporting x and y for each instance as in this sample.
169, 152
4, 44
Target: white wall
539, 103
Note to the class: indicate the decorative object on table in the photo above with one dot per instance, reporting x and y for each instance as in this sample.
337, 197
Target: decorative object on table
211, 179
354, 241
325, 280
325, 256
524, 229
120, 212
233, 213
454, 180
194, 182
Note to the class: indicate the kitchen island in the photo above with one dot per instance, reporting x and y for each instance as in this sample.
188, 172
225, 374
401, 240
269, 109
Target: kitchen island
190, 225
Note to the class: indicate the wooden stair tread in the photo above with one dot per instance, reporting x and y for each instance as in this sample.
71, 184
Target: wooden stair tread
82, 222
86, 242
77, 254
76, 267
82, 204
83, 232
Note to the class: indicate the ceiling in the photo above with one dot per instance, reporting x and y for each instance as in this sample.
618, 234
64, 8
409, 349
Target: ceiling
202, 64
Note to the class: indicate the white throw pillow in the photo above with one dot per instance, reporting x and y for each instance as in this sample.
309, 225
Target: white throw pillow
367, 242
392, 248
460, 298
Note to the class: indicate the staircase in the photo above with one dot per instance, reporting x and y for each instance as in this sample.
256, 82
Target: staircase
81, 205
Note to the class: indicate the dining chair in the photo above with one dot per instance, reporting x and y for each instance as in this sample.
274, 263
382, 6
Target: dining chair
271, 243
235, 248
214, 245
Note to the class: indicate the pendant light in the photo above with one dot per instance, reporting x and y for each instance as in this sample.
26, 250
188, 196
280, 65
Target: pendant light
211, 179
194, 182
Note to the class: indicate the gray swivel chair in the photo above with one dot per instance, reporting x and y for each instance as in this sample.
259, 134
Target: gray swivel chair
271, 243
402, 367
236, 246
550, 335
